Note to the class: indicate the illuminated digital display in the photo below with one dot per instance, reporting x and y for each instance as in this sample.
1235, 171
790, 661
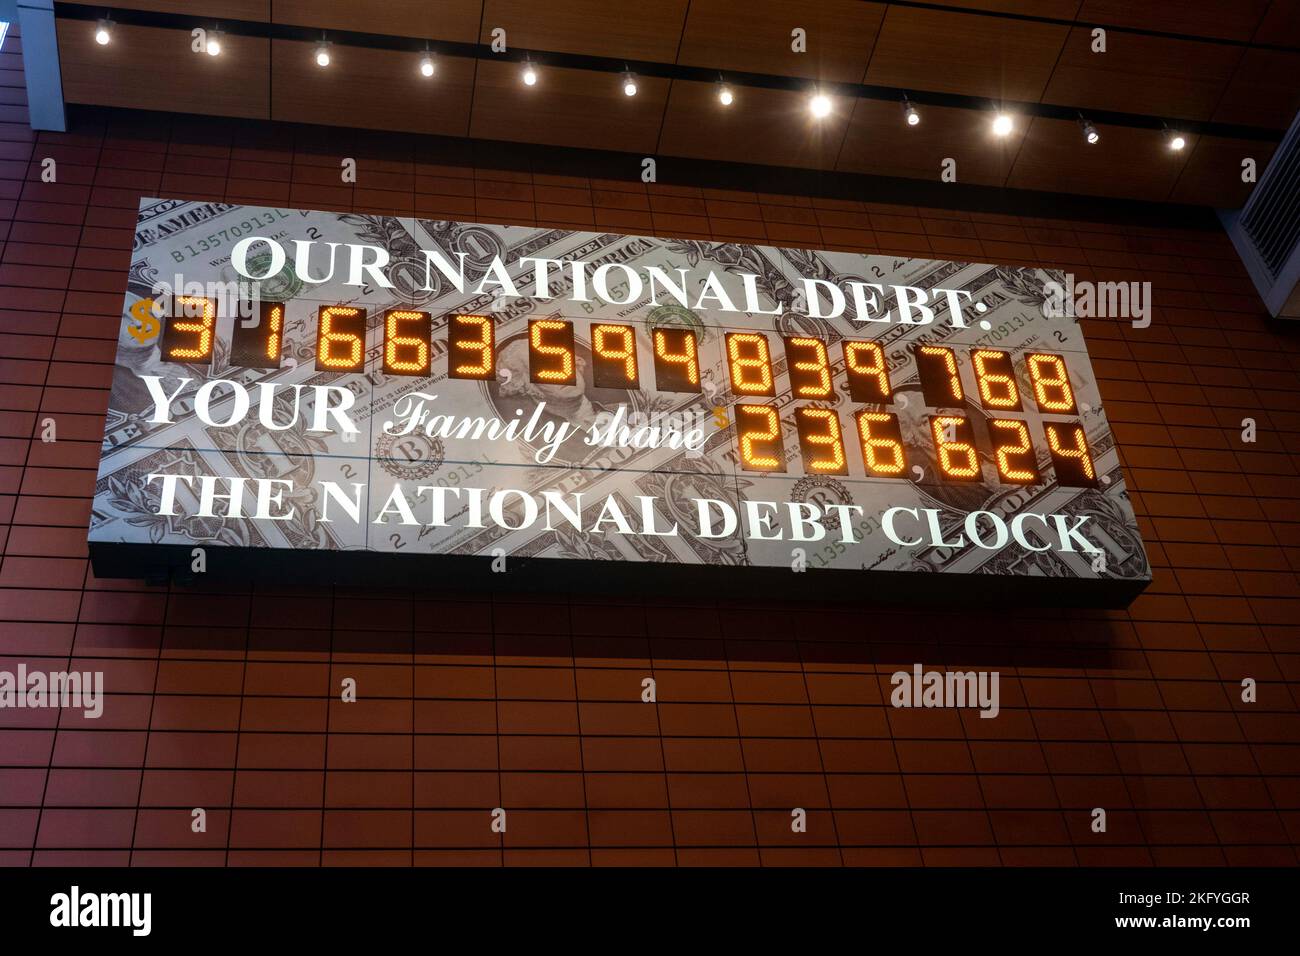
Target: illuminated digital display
256, 341
868, 374
882, 444
471, 344
954, 444
996, 379
940, 380
750, 363
809, 366
619, 401
340, 338
406, 342
613, 356
1071, 458
189, 335
1013, 451
821, 442
758, 429
677, 360
552, 360
550, 352
1051, 383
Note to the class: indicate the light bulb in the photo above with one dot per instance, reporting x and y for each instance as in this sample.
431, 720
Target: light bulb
629, 84
725, 96
820, 105
426, 66
103, 32
530, 76
323, 54
214, 43
1002, 125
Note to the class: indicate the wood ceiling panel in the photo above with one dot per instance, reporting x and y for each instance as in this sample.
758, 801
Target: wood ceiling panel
1055, 9
1281, 24
1130, 163
567, 108
1141, 74
965, 53
880, 142
259, 10
772, 127
1235, 20
437, 19
370, 89
753, 36
1212, 176
1265, 90
177, 79
613, 28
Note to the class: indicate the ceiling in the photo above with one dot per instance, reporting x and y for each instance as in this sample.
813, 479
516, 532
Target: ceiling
1225, 63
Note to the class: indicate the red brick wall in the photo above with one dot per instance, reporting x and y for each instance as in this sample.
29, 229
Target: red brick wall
228, 700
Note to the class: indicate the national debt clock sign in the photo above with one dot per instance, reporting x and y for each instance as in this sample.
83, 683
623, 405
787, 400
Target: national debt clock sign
357, 398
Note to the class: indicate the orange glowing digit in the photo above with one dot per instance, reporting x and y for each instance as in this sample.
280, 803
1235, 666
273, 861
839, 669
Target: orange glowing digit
614, 365
868, 375
1020, 446
1051, 383
257, 345
751, 363
339, 345
482, 344
275, 320
957, 456
819, 429
406, 354
943, 388
1073, 462
676, 371
993, 375
810, 377
882, 443
561, 372
766, 433
203, 326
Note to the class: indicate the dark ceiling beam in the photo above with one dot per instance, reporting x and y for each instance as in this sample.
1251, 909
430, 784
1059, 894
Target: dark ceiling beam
670, 71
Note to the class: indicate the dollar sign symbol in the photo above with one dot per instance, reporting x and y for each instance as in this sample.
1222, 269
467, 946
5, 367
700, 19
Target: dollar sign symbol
720, 416
142, 312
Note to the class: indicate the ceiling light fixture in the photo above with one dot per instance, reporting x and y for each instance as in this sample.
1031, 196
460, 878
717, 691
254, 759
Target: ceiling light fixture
529, 74
820, 105
213, 46
1090, 133
913, 117
1174, 139
629, 84
323, 53
725, 96
104, 31
426, 65
1002, 124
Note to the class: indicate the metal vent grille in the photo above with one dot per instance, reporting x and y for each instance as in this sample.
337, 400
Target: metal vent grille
1266, 231
1271, 218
